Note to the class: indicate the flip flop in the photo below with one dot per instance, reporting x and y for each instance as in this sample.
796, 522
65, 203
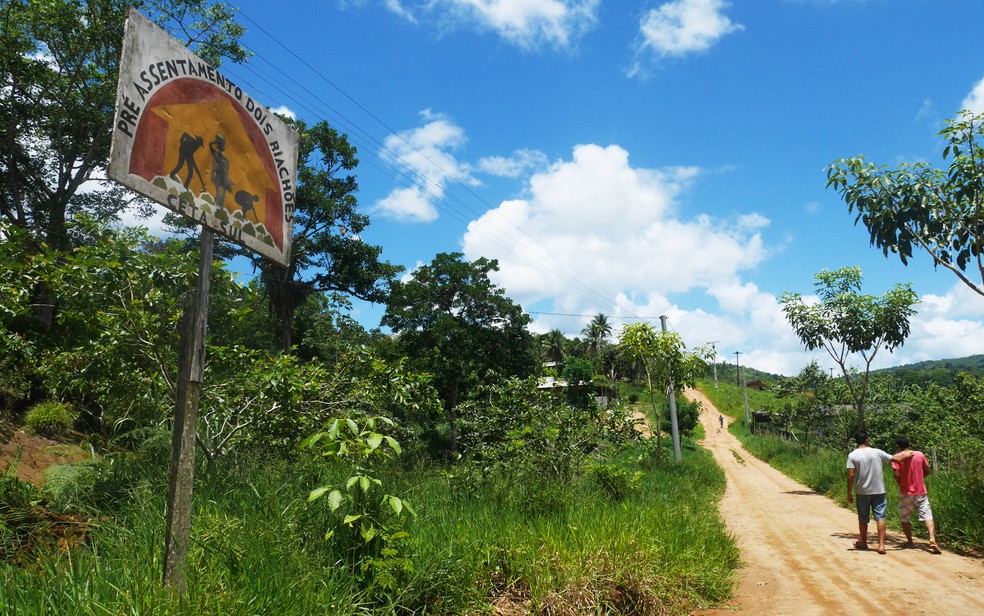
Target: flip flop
860, 546
935, 549
881, 550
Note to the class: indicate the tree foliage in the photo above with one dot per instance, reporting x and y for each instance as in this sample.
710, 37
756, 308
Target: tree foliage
60, 63
327, 254
456, 324
917, 206
846, 323
553, 346
805, 401
596, 335
116, 333
522, 439
664, 359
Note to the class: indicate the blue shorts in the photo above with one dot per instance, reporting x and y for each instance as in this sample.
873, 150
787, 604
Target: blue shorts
873, 503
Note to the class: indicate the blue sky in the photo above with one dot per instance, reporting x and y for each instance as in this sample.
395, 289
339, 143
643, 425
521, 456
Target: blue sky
636, 158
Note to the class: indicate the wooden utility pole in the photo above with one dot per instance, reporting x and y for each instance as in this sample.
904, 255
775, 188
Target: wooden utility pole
715, 363
674, 425
741, 377
191, 366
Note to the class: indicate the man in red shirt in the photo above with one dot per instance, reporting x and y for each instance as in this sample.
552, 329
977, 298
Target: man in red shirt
910, 475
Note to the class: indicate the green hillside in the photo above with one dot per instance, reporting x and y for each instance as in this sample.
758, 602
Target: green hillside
940, 372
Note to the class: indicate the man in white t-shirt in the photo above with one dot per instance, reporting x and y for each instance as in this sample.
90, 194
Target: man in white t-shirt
865, 477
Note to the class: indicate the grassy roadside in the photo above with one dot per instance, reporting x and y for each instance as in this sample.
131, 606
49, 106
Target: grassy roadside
644, 542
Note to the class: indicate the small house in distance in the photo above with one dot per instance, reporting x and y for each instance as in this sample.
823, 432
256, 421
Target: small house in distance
550, 381
756, 385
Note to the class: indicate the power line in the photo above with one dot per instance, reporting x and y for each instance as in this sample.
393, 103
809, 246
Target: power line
573, 280
590, 316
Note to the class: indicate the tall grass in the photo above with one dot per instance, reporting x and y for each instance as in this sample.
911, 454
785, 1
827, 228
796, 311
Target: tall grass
259, 548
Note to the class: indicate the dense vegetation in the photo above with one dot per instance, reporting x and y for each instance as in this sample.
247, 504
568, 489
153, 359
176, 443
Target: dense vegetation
459, 463
941, 372
625, 538
327, 481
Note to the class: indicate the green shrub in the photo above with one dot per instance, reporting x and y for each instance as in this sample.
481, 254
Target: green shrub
687, 415
87, 487
615, 481
50, 418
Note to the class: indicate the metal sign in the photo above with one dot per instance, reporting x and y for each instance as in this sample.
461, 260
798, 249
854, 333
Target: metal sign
190, 139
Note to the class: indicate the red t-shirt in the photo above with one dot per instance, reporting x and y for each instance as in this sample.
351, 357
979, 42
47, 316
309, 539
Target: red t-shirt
912, 478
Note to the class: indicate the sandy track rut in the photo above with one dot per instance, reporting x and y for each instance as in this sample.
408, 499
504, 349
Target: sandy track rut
798, 549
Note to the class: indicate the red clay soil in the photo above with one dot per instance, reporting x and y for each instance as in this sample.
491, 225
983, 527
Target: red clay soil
28, 455
798, 549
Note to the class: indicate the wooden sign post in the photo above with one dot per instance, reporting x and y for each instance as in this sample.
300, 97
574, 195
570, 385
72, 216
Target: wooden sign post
191, 367
190, 139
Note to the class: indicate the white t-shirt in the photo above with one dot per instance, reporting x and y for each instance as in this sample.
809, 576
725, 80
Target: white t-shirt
867, 465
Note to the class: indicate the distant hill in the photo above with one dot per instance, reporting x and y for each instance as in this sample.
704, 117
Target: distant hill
973, 364
727, 372
941, 372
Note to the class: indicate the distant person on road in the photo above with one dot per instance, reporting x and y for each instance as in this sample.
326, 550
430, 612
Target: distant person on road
864, 475
721, 420
910, 475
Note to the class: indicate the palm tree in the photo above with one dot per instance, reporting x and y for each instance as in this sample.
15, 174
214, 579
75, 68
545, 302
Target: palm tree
552, 346
597, 333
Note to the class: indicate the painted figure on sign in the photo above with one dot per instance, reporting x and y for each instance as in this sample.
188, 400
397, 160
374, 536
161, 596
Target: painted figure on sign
186, 158
220, 169
246, 201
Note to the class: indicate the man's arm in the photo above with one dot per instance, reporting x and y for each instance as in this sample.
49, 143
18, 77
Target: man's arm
897, 471
902, 455
850, 485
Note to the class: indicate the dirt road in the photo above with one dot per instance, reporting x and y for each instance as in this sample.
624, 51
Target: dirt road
799, 555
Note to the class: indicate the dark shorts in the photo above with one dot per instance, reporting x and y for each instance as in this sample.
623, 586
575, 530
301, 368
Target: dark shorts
869, 504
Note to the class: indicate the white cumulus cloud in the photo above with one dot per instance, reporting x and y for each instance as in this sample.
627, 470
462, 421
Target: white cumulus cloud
975, 100
424, 155
596, 230
427, 159
514, 166
285, 111
680, 27
528, 24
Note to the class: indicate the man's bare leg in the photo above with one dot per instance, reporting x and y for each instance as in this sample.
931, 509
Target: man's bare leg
863, 531
881, 534
907, 529
931, 527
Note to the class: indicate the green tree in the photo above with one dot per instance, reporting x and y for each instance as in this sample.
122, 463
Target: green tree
596, 336
553, 346
454, 323
917, 205
579, 375
59, 62
666, 363
805, 400
111, 350
846, 323
327, 254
